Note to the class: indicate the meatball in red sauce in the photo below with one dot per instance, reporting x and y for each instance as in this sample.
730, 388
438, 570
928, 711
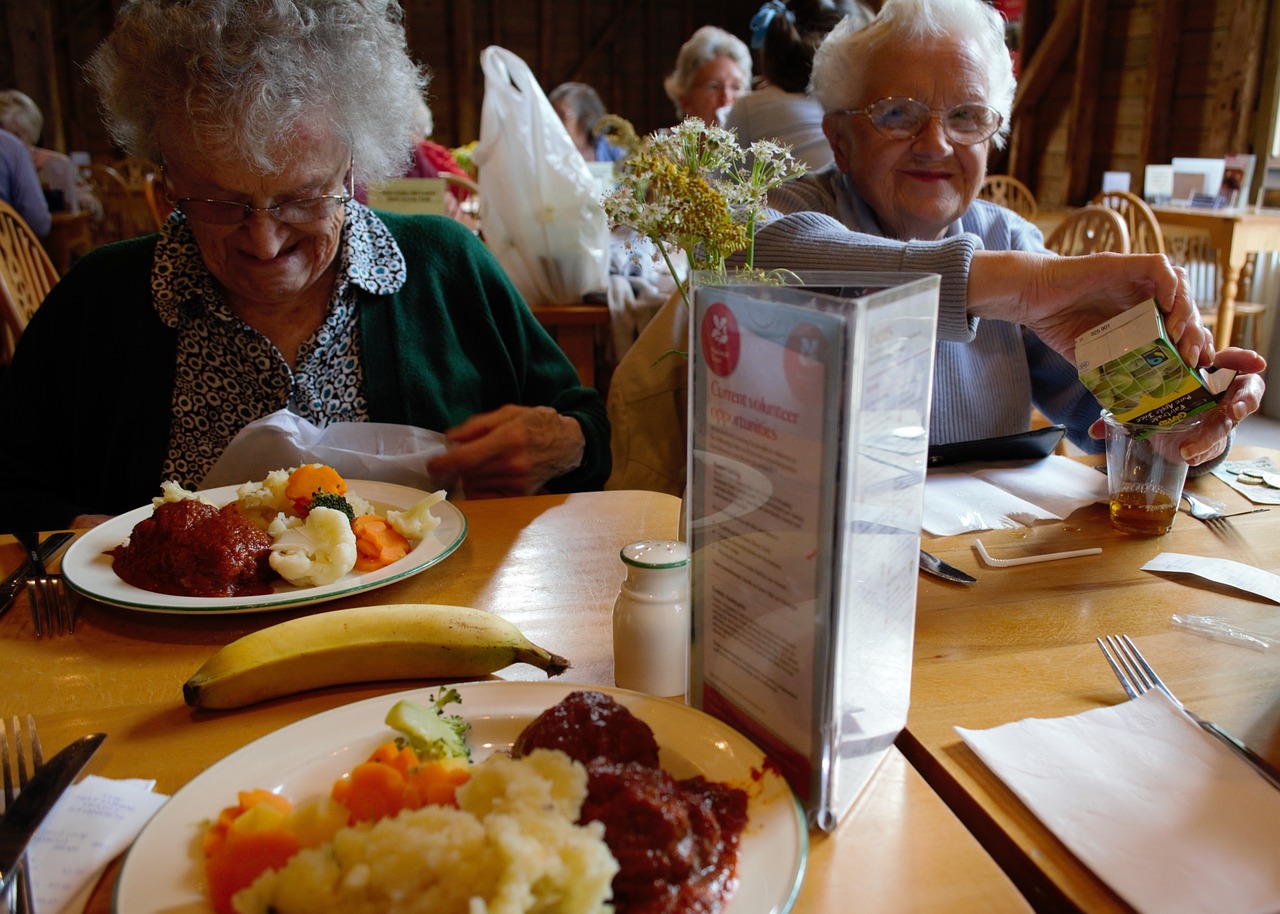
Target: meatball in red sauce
676, 842
194, 549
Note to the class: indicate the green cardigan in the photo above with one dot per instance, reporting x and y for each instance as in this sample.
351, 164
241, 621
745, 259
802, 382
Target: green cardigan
85, 403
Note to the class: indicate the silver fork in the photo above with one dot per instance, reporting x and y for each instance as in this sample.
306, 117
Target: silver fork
18, 766
1202, 512
51, 611
1136, 675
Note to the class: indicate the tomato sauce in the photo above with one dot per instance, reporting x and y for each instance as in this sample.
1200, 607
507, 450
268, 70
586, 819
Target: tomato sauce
193, 549
676, 841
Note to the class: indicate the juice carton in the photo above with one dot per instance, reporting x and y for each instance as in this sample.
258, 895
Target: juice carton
1133, 368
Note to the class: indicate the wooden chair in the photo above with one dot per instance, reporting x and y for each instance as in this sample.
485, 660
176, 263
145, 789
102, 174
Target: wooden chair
1009, 192
1145, 236
1089, 230
125, 213
134, 171
26, 275
113, 194
157, 201
1204, 272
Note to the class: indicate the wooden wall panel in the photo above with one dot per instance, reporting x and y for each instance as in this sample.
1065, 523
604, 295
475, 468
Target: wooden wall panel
1171, 78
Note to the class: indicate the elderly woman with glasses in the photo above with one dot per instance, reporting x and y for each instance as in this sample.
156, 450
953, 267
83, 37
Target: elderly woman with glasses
270, 288
712, 70
914, 102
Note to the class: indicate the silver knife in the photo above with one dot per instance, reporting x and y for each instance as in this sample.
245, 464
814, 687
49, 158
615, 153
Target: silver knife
16, 581
38, 796
935, 566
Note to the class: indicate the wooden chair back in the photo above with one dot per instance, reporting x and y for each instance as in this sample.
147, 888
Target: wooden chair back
157, 201
134, 171
26, 275
1145, 236
1199, 258
125, 213
1089, 230
1009, 192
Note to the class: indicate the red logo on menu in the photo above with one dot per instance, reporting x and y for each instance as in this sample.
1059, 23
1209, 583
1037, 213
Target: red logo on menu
805, 362
721, 341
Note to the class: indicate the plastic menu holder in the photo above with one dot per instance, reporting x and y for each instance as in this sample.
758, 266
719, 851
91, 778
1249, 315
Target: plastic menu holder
808, 424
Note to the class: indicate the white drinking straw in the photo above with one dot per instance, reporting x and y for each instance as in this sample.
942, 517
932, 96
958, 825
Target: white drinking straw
1032, 559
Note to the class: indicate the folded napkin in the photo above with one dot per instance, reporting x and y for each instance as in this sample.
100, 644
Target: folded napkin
95, 821
1008, 494
357, 450
1160, 810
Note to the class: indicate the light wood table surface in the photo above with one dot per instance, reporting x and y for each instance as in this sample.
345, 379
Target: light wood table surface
1234, 232
550, 564
1020, 643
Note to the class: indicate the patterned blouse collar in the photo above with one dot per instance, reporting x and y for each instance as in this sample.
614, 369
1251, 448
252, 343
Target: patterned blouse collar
369, 258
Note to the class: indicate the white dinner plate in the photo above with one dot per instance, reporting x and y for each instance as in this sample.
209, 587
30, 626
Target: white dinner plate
163, 873
87, 563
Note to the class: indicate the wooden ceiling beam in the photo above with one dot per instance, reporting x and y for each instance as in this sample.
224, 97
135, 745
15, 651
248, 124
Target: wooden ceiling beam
465, 63
1049, 56
1038, 69
1167, 20
1086, 87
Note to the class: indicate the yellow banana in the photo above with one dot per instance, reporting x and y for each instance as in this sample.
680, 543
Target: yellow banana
363, 644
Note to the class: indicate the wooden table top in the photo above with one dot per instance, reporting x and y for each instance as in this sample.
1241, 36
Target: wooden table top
1020, 643
549, 564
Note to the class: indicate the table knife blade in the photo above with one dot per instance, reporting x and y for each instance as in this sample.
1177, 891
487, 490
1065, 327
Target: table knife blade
38, 796
935, 566
16, 581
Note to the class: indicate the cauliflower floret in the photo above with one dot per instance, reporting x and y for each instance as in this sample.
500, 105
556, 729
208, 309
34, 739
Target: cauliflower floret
172, 491
315, 552
358, 504
418, 521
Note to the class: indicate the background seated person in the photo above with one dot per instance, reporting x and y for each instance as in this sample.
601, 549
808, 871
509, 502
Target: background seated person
712, 70
580, 109
780, 108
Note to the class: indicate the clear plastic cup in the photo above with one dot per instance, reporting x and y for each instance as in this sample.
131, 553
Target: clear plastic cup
1145, 474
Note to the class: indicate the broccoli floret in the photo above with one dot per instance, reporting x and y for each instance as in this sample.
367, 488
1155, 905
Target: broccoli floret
322, 499
430, 732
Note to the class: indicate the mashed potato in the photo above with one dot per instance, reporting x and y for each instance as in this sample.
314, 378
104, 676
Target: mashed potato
511, 847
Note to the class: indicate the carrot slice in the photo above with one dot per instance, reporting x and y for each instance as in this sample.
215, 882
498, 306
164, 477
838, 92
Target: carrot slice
377, 543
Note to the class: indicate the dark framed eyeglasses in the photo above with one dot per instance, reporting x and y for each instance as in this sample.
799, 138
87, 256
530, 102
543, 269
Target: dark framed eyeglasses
294, 212
906, 118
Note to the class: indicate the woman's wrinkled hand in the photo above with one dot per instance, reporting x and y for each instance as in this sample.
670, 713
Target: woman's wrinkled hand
1060, 298
513, 450
1242, 397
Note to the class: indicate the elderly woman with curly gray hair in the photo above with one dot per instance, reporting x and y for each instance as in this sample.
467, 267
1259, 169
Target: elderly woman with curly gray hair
270, 287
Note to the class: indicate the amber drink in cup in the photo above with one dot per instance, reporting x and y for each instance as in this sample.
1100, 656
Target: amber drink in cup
1145, 473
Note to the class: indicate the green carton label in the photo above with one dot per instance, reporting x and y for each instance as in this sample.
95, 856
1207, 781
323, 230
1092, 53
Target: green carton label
1135, 371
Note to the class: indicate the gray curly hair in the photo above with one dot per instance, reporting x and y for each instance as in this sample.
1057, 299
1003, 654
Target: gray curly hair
251, 74
839, 63
706, 43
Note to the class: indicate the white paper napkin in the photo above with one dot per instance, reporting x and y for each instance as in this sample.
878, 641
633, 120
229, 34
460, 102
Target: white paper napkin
357, 450
1161, 811
1016, 494
95, 821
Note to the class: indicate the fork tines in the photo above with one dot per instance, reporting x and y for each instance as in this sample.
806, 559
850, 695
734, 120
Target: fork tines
16, 768
50, 606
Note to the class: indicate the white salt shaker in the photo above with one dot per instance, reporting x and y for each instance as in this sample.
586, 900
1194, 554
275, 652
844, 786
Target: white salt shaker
651, 623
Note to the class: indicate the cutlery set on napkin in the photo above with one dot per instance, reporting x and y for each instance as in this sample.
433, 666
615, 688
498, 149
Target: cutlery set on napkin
70, 832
